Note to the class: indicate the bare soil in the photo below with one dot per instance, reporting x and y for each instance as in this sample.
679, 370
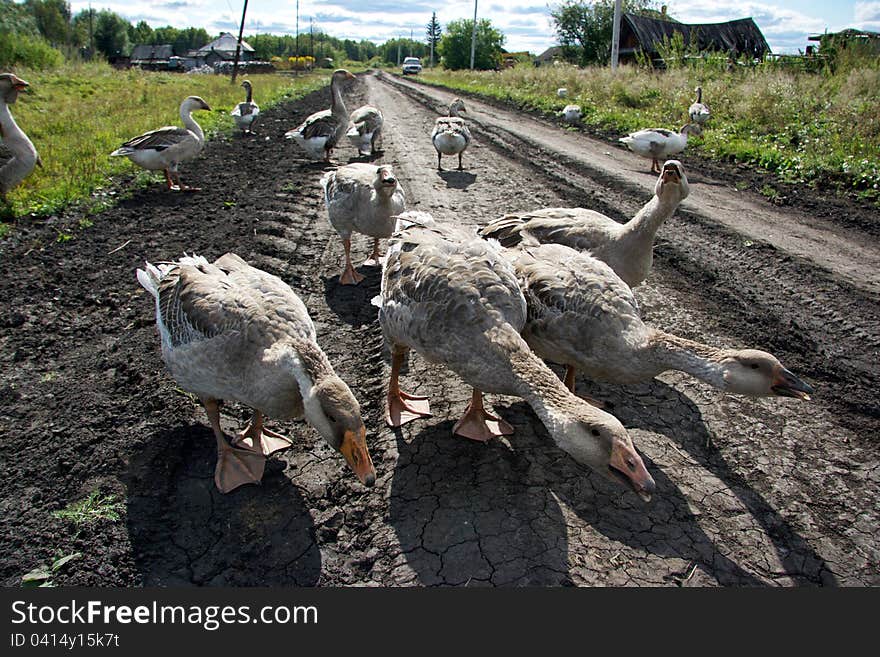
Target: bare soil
750, 492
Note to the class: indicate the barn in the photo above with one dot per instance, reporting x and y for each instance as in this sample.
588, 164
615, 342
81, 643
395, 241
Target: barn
643, 34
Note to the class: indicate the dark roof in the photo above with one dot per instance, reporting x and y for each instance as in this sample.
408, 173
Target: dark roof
740, 36
550, 54
148, 53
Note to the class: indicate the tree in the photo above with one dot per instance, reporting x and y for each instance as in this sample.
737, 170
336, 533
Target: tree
53, 19
584, 29
141, 33
455, 45
111, 34
433, 33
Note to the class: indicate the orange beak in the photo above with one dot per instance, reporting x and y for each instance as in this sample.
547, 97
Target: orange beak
18, 84
354, 449
670, 174
626, 466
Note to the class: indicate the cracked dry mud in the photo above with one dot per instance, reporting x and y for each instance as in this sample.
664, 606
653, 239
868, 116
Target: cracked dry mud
749, 492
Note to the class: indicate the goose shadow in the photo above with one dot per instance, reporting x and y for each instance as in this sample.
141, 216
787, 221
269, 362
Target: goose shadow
665, 526
457, 179
352, 303
184, 532
466, 514
685, 427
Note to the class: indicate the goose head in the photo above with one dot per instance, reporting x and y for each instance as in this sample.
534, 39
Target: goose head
672, 185
691, 129
340, 75
599, 441
758, 374
385, 182
193, 103
332, 409
456, 107
247, 85
10, 86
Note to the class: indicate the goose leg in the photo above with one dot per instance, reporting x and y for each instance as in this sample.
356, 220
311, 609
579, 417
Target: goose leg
235, 467
439, 157
373, 260
402, 407
262, 440
460, 168
349, 275
655, 166
186, 188
478, 424
169, 181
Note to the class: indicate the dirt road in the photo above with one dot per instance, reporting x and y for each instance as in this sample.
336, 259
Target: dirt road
753, 492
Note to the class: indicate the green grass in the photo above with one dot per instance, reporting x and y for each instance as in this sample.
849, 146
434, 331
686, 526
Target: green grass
817, 128
77, 114
91, 509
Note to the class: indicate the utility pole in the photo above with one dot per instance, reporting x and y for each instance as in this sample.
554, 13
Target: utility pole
297, 28
474, 36
399, 42
410, 42
91, 34
238, 45
615, 35
311, 39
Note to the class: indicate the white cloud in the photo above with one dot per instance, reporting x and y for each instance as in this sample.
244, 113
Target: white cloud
867, 15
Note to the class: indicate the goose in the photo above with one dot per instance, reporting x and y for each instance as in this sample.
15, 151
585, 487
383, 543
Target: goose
658, 143
582, 315
321, 131
365, 129
562, 92
698, 112
167, 147
18, 157
451, 135
366, 199
456, 301
232, 331
571, 113
627, 248
245, 113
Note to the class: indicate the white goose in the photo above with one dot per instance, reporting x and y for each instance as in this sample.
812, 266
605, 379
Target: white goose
451, 135
231, 331
366, 199
166, 148
699, 112
628, 248
456, 301
582, 315
571, 113
658, 143
246, 112
321, 131
365, 129
18, 157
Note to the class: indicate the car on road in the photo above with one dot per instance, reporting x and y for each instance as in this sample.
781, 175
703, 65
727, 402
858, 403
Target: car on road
412, 65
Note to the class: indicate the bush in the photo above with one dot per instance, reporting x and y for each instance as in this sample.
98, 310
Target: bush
27, 51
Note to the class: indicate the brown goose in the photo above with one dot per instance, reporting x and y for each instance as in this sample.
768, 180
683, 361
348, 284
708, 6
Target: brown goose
246, 112
451, 135
582, 315
321, 131
232, 331
628, 248
365, 130
456, 301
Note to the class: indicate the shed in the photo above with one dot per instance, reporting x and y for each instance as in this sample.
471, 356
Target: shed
644, 34
223, 48
153, 58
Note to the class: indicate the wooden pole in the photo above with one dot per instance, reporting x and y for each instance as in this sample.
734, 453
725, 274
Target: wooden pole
615, 35
238, 45
474, 36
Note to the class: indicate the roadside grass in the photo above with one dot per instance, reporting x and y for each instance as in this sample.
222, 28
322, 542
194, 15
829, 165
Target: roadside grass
78, 113
817, 128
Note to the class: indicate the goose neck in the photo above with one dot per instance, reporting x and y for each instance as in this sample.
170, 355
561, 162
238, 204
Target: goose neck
671, 352
190, 123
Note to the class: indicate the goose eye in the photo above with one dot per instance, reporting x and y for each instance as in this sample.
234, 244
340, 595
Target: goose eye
754, 366
595, 432
631, 464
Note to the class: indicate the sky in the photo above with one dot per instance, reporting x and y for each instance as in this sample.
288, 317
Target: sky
525, 23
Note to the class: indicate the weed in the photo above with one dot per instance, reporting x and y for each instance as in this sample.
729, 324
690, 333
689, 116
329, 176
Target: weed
92, 509
41, 576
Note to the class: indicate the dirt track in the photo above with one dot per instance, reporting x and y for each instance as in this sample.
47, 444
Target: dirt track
750, 492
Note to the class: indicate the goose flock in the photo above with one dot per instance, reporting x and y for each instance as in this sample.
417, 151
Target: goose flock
494, 305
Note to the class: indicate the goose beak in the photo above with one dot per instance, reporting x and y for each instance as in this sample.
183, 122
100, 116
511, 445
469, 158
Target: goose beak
786, 384
626, 467
354, 449
349, 76
18, 84
671, 173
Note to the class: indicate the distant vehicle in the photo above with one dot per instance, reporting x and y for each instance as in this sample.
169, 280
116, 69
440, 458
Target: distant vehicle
412, 65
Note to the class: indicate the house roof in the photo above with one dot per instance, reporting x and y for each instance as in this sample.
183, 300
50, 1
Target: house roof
224, 43
549, 54
740, 36
152, 53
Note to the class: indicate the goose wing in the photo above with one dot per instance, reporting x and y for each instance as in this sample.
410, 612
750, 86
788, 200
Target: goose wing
156, 140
